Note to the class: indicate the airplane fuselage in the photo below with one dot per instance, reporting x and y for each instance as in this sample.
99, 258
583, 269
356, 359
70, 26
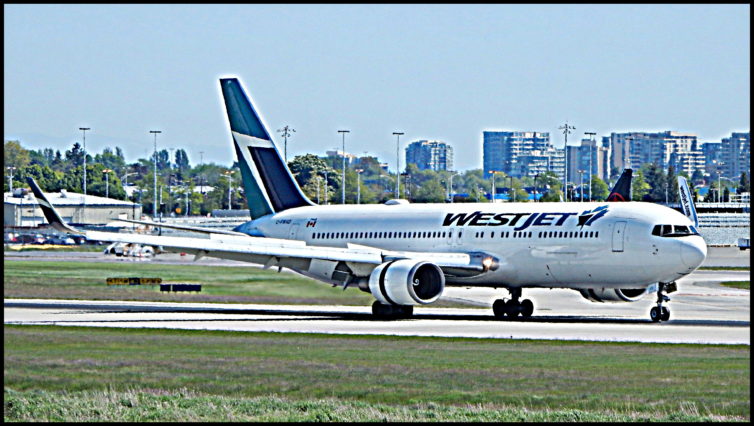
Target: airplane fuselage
573, 245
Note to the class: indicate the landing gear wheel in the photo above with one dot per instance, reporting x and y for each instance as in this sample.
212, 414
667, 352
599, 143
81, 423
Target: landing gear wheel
499, 308
514, 308
665, 314
527, 308
655, 314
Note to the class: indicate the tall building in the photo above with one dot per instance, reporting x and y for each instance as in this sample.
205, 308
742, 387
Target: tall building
712, 157
520, 153
736, 154
632, 149
589, 157
430, 155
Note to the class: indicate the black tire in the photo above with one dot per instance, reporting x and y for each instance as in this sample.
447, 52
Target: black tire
527, 308
513, 308
499, 308
665, 314
406, 311
655, 314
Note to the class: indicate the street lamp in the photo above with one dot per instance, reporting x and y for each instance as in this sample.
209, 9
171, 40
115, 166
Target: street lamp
326, 196
83, 131
536, 200
591, 152
513, 191
286, 131
154, 203
229, 174
107, 182
343, 184
397, 164
10, 178
492, 195
566, 130
358, 185
450, 191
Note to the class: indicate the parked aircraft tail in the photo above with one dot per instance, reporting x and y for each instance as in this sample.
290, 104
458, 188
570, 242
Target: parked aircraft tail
269, 185
687, 200
622, 189
48, 210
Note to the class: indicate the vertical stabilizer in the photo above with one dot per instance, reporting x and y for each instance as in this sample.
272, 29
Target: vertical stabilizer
687, 201
622, 189
268, 183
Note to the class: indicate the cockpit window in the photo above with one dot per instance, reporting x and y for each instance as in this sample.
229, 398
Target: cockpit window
674, 230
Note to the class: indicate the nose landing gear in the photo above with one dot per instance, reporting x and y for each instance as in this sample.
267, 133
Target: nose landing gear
513, 307
662, 313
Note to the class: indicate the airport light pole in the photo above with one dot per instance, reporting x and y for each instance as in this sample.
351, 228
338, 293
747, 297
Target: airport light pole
326, 201
10, 178
286, 131
397, 164
591, 152
154, 203
358, 185
229, 174
450, 192
343, 184
566, 130
107, 182
513, 191
492, 194
581, 184
83, 132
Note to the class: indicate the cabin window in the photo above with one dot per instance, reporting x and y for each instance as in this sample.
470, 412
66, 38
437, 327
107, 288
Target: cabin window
492, 234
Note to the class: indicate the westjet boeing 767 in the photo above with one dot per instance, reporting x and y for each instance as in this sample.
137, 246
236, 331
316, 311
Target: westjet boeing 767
405, 254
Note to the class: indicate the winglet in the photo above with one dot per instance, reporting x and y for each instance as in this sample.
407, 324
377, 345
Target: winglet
687, 201
49, 211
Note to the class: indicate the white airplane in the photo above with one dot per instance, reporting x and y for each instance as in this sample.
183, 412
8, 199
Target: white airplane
405, 254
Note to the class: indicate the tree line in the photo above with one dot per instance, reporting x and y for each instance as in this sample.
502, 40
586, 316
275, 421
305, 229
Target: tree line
205, 186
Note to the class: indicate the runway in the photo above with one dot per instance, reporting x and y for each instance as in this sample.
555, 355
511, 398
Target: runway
701, 313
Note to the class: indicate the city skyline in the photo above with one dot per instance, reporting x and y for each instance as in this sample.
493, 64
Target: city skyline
426, 70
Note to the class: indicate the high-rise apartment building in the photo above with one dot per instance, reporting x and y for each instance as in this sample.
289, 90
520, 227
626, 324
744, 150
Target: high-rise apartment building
589, 157
520, 153
735, 153
430, 155
632, 149
713, 157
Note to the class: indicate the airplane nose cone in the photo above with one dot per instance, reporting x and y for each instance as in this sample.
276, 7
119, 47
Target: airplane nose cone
693, 253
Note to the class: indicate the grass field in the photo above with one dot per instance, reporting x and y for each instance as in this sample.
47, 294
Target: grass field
86, 280
737, 284
79, 374
724, 268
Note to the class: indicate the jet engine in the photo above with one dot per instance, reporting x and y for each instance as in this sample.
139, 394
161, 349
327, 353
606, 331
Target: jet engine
612, 295
407, 282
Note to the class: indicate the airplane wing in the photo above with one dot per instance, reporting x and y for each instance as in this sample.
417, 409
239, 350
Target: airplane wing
186, 228
278, 252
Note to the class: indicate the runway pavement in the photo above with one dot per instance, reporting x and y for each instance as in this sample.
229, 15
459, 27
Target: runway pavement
702, 312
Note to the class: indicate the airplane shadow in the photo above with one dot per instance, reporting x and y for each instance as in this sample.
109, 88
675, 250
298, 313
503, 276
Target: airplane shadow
325, 315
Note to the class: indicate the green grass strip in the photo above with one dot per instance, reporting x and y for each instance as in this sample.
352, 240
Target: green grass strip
737, 284
187, 406
725, 268
377, 377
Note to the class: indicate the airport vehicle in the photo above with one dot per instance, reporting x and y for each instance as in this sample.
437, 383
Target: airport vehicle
405, 254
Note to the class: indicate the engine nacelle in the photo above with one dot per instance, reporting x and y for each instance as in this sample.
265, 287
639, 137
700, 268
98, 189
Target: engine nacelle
407, 282
613, 295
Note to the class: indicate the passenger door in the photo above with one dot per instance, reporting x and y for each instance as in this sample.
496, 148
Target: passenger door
619, 231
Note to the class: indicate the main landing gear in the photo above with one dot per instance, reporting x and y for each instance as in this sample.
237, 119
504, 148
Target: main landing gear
659, 312
382, 311
513, 307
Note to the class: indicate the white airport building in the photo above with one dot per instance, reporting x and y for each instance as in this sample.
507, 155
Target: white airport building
22, 209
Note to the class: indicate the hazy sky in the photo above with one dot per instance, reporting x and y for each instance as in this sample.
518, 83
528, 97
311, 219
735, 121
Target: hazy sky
443, 72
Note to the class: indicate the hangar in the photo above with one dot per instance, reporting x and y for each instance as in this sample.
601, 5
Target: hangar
22, 209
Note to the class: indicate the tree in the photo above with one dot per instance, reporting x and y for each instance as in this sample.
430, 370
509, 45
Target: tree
654, 176
743, 183
181, 162
672, 185
15, 155
599, 189
111, 161
639, 186
431, 191
697, 176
